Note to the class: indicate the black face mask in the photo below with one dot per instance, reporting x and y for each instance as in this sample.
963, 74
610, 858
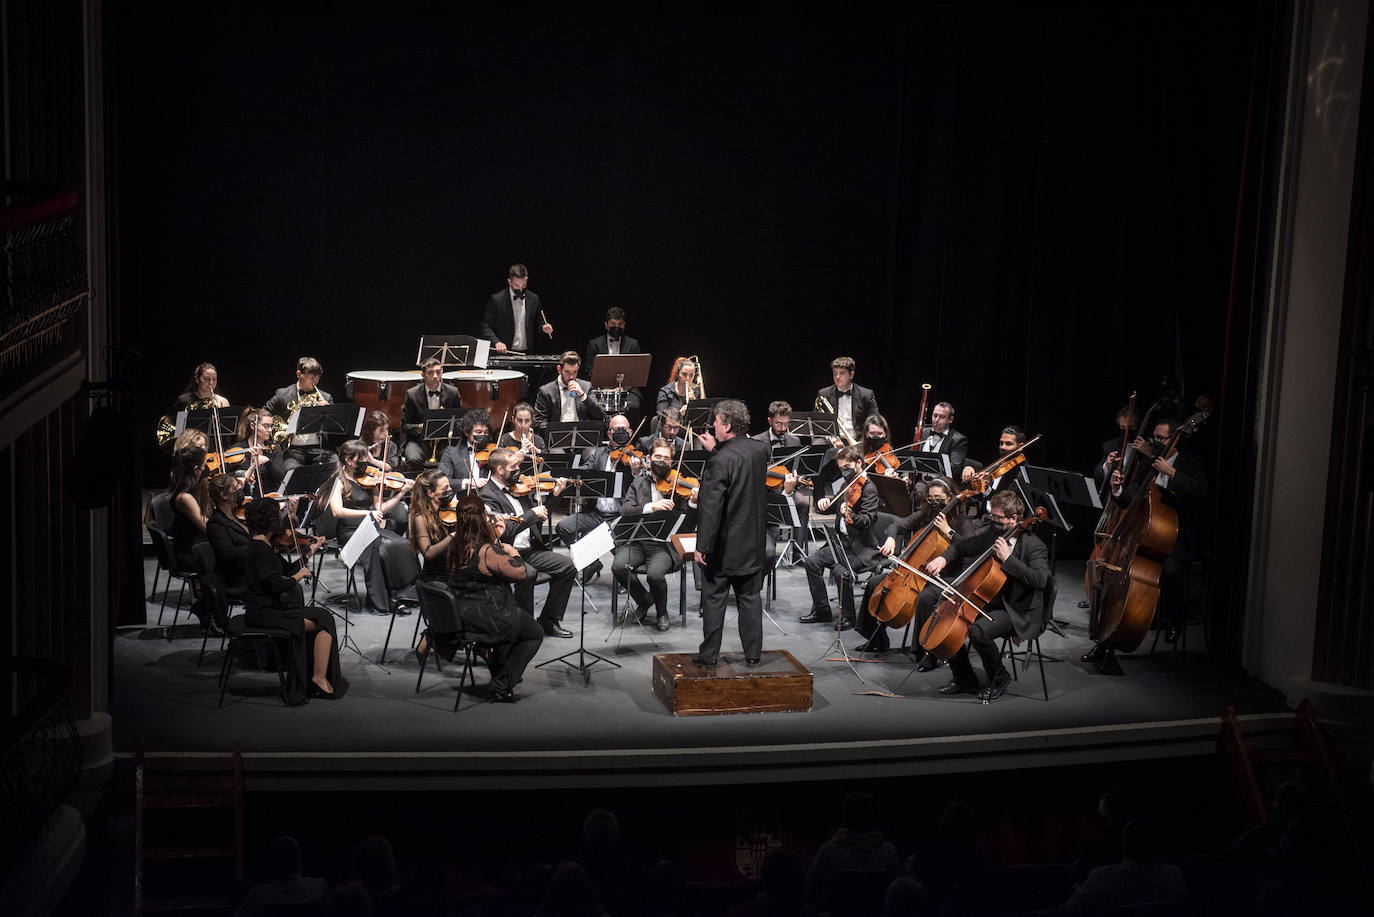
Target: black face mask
479, 442
872, 443
620, 437
849, 473
661, 469
614, 334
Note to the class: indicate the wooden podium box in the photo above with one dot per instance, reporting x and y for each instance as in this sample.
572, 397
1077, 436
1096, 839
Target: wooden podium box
779, 683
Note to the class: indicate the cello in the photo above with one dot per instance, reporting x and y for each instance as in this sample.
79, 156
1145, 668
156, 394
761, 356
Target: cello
1130, 561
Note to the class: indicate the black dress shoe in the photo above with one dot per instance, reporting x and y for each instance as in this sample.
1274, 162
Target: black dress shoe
996, 689
662, 625
846, 623
959, 687
698, 659
873, 646
1095, 655
552, 629
929, 663
818, 617
497, 696
1171, 635
753, 663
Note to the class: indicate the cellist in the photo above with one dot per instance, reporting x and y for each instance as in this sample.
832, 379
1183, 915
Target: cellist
1017, 608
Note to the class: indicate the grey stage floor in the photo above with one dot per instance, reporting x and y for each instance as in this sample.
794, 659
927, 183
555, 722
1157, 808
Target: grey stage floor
562, 725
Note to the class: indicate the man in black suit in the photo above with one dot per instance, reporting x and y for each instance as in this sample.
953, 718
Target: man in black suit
513, 316
432, 394
943, 438
603, 509
458, 462
851, 402
853, 536
1111, 449
1009, 440
730, 532
777, 436
528, 539
1018, 608
565, 398
670, 428
301, 448
779, 417
616, 341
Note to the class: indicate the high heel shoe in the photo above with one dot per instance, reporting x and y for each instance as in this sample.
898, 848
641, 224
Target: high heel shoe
316, 691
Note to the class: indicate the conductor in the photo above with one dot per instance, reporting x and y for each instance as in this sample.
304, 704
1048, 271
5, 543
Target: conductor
730, 532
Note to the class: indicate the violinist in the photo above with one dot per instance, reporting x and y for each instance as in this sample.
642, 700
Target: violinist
652, 493
228, 536
429, 535
669, 428
459, 462
943, 438
374, 436
200, 393
777, 436
565, 398
615, 454
853, 550
682, 386
937, 494
850, 401
527, 538
350, 502
521, 436
301, 448
1018, 607
431, 394
1011, 438
877, 435
779, 420
265, 461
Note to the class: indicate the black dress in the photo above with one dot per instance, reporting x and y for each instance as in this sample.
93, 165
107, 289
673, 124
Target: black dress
184, 534
487, 607
273, 598
356, 496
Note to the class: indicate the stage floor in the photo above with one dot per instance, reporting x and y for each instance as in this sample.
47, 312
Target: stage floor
614, 731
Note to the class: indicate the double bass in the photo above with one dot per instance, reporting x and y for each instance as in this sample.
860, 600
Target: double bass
1129, 563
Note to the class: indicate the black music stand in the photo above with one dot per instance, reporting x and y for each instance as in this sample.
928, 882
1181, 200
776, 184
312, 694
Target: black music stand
601, 532
656, 527
893, 492
203, 419
454, 350
814, 425
698, 415
808, 462
440, 423
1065, 486
574, 436
593, 485
1029, 493
620, 370
927, 464
693, 462
328, 420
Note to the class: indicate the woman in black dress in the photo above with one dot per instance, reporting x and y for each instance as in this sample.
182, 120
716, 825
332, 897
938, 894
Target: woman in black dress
273, 598
228, 535
188, 501
428, 535
374, 437
350, 503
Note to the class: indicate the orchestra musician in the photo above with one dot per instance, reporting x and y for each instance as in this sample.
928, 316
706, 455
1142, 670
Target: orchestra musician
730, 533
273, 597
682, 386
502, 467
877, 433
615, 341
228, 536
432, 393
1011, 438
350, 502
1018, 607
521, 435
1111, 449
779, 419
200, 393
669, 428
852, 402
565, 398
943, 438
854, 537
459, 461
189, 502
575, 525
513, 315
265, 461
302, 448
428, 535
374, 436
778, 436
659, 557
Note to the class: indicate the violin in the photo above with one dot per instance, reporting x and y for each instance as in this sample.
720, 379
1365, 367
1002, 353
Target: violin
544, 482
981, 482
852, 495
676, 484
372, 476
238, 513
883, 459
625, 454
229, 458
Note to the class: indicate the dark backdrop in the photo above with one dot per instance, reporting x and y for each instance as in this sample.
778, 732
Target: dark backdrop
1030, 207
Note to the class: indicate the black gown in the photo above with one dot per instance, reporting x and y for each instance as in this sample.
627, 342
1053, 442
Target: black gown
487, 607
358, 497
273, 598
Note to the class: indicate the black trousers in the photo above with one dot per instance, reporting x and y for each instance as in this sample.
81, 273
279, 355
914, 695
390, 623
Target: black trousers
715, 589
983, 636
296, 456
659, 560
562, 573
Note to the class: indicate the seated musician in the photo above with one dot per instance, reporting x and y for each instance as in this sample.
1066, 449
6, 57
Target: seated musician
669, 427
1018, 608
659, 557
877, 433
566, 398
459, 462
850, 401
200, 393
1182, 482
350, 502
851, 551
265, 463
604, 509
188, 500
431, 394
1111, 449
937, 494
521, 436
375, 436
429, 536
943, 438
779, 419
777, 436
1011, 439
614, 342
301, 448
682, 386
512, 317
228, 536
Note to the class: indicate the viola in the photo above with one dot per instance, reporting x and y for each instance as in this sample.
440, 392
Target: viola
372, 476
676, 484
982, 481
852, 495
883, 459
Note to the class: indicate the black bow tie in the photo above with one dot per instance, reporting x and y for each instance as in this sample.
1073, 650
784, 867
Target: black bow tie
517, 294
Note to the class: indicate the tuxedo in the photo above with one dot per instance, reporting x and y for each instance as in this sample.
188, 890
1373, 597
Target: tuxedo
416, 405
864, 404
537, 554
952, 443
301, 449
659, 558
549, 400
455, 464
855, 539
498, 321
731, 517
787, 441
599, 345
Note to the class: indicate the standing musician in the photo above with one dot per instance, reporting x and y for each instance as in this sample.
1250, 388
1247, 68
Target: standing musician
1011, 438
850, 401
575, 525
1182, 481
374, 436
779, 419
521, 436
527, 538
459, 462
265, 462
513, 316
669, 428
854, 518
659, 557
1018, 608
943, 438
730, 533
431, 394
565, 398
682, 386
200, 393
349, 503
428, 534
615, 341
302, 448
1111, 450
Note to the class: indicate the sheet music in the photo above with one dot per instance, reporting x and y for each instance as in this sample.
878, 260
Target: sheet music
364, 536
591, 546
